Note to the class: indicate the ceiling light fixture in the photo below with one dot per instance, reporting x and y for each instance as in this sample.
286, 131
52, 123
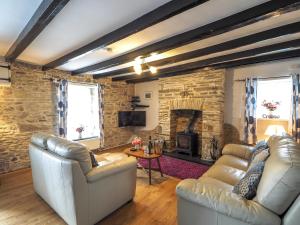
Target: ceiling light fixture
153, 69
138, 68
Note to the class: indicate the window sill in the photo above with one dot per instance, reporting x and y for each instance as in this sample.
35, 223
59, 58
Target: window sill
87, 138
279, 119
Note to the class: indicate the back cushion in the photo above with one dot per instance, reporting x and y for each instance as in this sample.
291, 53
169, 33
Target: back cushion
40, 139
280, 182
71, 150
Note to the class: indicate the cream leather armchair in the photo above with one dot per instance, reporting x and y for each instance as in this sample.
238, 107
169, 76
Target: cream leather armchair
63, 176
210, 200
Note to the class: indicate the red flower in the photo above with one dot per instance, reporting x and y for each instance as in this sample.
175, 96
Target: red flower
136, 141
79, 129
271, 106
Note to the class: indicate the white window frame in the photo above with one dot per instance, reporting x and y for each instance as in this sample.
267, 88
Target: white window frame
70, 130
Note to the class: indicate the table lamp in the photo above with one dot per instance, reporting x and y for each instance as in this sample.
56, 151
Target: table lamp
275, 130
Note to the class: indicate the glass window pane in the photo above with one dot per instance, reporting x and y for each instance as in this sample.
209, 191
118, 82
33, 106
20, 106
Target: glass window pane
83, 111
274, 91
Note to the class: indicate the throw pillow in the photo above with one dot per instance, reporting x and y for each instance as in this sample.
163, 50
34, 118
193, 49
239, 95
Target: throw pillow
247, 186
93, 159
259, 157
260, 146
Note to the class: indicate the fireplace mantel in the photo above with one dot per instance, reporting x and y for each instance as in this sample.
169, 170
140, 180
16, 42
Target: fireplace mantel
187, 103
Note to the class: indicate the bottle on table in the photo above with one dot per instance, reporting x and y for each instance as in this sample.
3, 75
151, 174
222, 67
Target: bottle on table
150, 145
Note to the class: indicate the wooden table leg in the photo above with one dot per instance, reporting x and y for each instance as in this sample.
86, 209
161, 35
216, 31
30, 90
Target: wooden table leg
158, 163
149, 165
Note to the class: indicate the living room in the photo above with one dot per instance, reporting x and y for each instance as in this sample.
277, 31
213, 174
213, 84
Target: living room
168, 112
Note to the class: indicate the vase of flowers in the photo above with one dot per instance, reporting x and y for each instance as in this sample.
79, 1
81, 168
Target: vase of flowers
79, 130
137, 143
271, 106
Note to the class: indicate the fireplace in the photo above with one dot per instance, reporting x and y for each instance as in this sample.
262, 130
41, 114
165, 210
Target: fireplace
186, 127
187, 143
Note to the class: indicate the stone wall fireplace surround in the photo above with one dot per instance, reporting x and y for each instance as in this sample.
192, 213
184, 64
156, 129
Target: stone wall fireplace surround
203, 91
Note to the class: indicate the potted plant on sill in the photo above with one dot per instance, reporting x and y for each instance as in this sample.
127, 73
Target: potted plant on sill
79, 130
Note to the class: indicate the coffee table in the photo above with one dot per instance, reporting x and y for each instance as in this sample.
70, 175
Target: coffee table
139, 154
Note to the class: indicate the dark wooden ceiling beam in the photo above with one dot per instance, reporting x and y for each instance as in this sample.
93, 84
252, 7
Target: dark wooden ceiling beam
260, 59
246, 17
231, 64
157, 15
217, 62
239, 42
47, 10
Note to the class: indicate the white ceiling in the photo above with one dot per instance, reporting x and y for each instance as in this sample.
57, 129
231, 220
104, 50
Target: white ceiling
246, 47
241, 32
14, 15
81, 22
188, 20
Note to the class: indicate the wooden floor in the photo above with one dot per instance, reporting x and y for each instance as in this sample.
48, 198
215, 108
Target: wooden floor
155, 204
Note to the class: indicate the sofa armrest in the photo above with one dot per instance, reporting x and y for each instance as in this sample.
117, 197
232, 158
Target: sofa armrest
241, 151
103, 171
225, 202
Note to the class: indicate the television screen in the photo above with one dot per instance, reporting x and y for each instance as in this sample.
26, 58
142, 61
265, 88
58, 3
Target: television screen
132, 118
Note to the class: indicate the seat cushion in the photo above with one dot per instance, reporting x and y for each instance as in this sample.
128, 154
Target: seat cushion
108, 158
216, 183
71, 150
226, 174
233, 161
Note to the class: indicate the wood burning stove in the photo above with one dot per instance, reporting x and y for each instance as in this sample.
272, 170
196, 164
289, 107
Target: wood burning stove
187, 143
187, 140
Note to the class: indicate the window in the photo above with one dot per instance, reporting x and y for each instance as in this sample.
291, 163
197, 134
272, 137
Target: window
83, 111
274, 104
279, 93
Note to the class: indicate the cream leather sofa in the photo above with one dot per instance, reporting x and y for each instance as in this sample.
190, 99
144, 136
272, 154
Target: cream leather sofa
210, 201
63, 176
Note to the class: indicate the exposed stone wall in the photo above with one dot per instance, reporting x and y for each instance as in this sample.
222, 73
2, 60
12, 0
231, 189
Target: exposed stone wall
207, 85
29, 106
116, 98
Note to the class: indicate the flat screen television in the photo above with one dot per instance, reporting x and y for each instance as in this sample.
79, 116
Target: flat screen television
132, 118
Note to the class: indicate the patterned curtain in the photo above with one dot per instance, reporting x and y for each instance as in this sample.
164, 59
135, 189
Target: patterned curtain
101, 114
62, 106
296, 119
250, 111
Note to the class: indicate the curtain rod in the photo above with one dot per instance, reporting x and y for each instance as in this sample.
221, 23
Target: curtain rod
266, 78
74, 82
